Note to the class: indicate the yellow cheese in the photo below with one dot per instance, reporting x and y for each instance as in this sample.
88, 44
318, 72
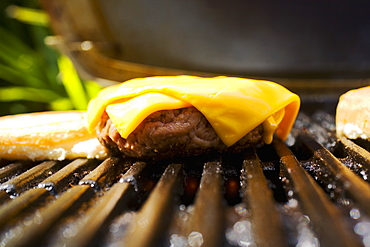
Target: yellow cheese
233, 106
271, 124
137, 109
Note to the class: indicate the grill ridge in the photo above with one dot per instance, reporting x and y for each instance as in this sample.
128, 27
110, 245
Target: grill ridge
276, 195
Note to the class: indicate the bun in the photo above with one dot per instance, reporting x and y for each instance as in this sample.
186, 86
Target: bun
48, 135
353, 114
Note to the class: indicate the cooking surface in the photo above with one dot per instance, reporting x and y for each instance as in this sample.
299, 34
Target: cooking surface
316, 191
312, 190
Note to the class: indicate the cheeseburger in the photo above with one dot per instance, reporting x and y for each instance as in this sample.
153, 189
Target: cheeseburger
163, 117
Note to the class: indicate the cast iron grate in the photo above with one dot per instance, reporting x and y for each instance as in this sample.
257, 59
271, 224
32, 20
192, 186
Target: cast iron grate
311, 190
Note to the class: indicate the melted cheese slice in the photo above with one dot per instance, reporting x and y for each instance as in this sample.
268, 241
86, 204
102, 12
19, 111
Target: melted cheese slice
233, 106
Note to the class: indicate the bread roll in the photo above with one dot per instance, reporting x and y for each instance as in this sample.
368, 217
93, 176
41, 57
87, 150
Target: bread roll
353, 114
48, 136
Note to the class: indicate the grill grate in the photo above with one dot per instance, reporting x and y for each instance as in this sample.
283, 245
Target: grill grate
313, 190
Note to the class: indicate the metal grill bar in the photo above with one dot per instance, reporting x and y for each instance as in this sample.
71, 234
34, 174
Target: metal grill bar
61, 179
153, 218
358, 153
266, 223
206, 223
117, 197
105, 174
44, 219
29, 178
14, 169
9, 212
353, 185
89, 197
328, 221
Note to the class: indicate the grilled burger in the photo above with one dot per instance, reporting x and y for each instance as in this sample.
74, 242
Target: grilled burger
163, 117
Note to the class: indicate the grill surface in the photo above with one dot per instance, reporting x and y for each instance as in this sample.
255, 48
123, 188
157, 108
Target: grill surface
310, 191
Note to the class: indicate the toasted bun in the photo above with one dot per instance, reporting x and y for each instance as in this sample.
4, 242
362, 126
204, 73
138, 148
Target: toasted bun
48, 135
353, 114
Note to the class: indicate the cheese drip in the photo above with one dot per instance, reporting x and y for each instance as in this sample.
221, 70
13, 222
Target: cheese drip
233, 106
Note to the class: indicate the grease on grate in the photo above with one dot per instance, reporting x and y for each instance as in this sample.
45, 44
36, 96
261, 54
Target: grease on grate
308, 192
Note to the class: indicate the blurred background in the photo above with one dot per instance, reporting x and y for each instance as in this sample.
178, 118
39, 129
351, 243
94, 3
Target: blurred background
33, 75
317, 51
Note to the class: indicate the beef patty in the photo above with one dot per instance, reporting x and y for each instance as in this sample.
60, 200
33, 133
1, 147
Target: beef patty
169, 133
